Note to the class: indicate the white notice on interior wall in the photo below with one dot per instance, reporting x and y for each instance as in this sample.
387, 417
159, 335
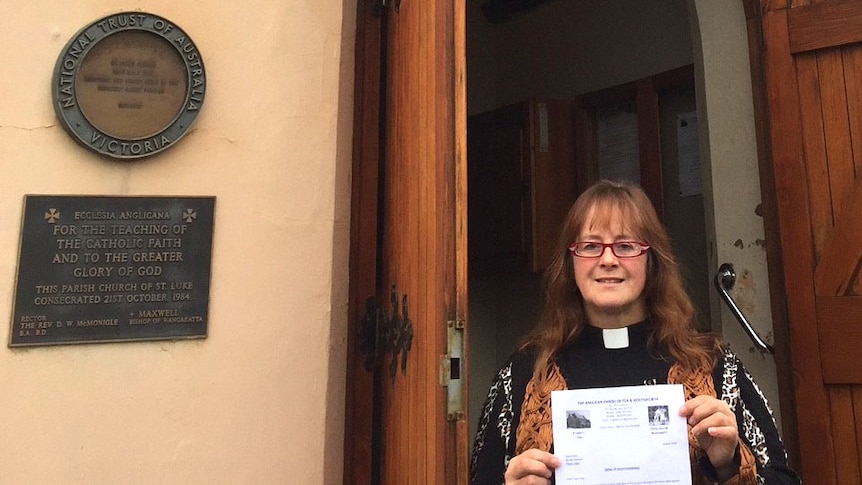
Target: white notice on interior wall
618, 150
689, 154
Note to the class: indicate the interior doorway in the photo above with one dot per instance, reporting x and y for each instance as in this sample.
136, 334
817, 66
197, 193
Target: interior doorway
538, 57
553, 52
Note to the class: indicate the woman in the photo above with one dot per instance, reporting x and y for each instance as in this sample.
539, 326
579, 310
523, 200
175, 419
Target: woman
616, 314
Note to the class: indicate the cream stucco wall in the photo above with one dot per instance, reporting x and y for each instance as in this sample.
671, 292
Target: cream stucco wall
261, 399
732, 183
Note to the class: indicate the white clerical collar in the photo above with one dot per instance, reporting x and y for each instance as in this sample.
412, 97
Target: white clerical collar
615, 338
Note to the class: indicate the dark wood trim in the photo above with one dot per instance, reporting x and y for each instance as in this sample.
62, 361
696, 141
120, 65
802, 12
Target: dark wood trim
675, 78
649, 143
616, 94
514, 115
785, 139
586, 170
363, 244
768, 212
681, 76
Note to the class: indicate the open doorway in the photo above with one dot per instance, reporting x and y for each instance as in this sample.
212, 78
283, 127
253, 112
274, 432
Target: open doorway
522, 65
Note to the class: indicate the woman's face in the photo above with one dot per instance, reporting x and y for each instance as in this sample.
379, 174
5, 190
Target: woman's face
612, 287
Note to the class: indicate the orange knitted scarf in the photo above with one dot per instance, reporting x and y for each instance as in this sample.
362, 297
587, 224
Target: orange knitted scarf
535, 429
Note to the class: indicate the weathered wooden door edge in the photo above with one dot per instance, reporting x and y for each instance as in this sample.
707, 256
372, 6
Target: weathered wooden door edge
780, 324
363, 242
461, 434
789, 254
451, 186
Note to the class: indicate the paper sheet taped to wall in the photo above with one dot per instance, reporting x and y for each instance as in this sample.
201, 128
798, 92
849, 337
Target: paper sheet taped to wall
618, 150
689, 154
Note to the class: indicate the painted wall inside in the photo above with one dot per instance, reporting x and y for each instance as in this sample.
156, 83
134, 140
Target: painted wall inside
260, 400
561, 49
728, 148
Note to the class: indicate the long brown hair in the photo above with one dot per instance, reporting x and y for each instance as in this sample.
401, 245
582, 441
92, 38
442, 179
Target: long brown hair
668, 304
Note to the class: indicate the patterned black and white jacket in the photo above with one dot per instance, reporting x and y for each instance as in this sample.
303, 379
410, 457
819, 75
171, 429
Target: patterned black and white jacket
585, 363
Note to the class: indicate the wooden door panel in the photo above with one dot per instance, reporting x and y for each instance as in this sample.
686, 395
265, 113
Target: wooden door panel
812, 74
836, 129
844, 437
782, 105
407, 234
821, 25
853, 73
814, 145
413, 234
839, 322
837, 272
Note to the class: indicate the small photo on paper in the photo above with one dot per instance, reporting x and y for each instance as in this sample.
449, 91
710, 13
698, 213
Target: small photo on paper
578, 419
658, 415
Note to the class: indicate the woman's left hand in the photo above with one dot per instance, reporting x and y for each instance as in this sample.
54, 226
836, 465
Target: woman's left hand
714, 425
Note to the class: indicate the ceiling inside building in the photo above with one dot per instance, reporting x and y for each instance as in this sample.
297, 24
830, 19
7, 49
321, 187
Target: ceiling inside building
501, 10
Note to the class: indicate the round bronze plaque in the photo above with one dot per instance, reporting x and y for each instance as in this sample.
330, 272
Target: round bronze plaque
129, 85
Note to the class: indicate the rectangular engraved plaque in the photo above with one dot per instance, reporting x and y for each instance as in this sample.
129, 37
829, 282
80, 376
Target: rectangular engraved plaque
102, 269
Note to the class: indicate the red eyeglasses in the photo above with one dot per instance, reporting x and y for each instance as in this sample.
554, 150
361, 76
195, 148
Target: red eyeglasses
621, 249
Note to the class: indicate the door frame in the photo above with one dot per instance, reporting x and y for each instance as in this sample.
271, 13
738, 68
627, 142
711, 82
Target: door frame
769, 197
783, 39
363, 257
442, 295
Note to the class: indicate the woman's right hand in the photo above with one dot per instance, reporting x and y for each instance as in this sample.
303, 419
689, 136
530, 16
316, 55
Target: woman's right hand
532, 467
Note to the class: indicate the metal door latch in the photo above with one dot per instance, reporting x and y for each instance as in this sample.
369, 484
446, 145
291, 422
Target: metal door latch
451, 370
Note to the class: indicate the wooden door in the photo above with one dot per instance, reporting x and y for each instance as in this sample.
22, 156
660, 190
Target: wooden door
408, 243
811, 55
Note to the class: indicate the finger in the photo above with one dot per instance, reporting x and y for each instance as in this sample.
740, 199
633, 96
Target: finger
529, 468
529, 480
729, 433
534, 463
716, 420
706, 408
526, 469
706, 405
546, 458
689, 406
711, 417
